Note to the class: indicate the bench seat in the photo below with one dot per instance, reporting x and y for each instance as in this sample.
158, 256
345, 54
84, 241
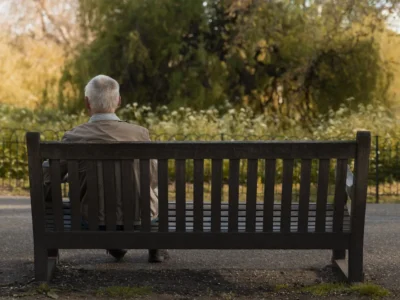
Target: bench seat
312, 212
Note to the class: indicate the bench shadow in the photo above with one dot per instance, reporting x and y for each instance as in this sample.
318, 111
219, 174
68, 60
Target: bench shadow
188, 282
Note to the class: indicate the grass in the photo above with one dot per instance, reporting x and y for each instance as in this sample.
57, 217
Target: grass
44, 289
281, 287
370, 290
124, 291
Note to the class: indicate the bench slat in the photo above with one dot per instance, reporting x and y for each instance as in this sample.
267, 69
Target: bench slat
55, 175
251, 194
163, 194
224, 213
92, 194
234, 165
128, 193
145, 194
200, 150
180, 187
287, 185
74, 194
305, 180
322, 193
269, 190
110, 203
340, 194
216, 189
198, 194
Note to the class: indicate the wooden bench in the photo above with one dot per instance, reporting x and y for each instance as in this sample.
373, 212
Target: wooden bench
190, 222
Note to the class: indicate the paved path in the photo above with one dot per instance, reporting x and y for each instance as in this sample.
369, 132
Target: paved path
382, 251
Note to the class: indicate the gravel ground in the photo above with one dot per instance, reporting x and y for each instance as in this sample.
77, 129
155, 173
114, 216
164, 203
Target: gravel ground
203, 274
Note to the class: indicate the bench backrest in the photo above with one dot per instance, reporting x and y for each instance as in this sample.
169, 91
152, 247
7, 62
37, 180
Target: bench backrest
340, 152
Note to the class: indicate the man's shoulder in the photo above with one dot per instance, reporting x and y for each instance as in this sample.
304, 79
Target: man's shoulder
107, 130
131, 126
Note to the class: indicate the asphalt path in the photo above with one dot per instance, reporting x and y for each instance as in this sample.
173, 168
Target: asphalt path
382, 251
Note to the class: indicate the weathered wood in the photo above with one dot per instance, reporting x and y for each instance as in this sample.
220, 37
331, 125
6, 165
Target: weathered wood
198, 194
37, 204
163, 194
201, 224
194, 240
269, 191
287, 186
92, 194
251, 195
322, 193
305, 181
358, 206
110, 202
145, 217
180, 187
74, 194
216, 191
56, 197
233, 194
128, 193
340, 194
201, 150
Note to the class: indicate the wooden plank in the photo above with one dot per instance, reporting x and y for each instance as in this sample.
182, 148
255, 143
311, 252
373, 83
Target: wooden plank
128, 193
216, 190
305, 180
145, 195
163, 195
198, 194
287, 186
56, 197
195, 240
251, 194
233, 194
242, 206
37, 203
92, 194
340, 194
269, 190
322, 193
180, 188
74, 194
200, 150
358, 206
110, 202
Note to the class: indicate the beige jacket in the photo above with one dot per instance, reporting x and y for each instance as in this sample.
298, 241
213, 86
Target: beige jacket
110, 131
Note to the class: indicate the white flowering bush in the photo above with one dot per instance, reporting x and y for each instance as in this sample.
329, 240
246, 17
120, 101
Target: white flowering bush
216, 123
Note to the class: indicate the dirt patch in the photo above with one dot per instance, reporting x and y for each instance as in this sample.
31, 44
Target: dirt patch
77, 283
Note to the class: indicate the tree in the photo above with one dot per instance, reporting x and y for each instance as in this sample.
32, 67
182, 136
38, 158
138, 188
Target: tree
297, 58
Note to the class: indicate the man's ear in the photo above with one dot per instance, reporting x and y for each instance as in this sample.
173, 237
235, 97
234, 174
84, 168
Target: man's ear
87, 103
119, 101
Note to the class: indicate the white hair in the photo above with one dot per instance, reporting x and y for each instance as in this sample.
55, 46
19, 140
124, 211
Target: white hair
103, 94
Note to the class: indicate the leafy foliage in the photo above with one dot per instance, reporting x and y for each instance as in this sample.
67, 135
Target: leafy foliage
291, 58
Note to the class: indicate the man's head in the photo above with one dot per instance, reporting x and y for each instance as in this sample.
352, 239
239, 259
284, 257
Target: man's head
102, 95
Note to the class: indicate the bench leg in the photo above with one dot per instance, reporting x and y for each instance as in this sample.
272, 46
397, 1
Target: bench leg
41, 263
45, 263
356, 272
338, 254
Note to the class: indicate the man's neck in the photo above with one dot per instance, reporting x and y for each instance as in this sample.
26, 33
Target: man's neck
103, 117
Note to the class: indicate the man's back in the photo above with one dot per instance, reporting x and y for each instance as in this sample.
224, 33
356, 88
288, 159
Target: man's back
107, 131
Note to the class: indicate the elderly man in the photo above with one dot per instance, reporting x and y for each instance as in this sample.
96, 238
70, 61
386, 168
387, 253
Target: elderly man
102, 98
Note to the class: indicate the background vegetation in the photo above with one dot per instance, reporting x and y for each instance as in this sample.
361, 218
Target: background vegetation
204, 69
